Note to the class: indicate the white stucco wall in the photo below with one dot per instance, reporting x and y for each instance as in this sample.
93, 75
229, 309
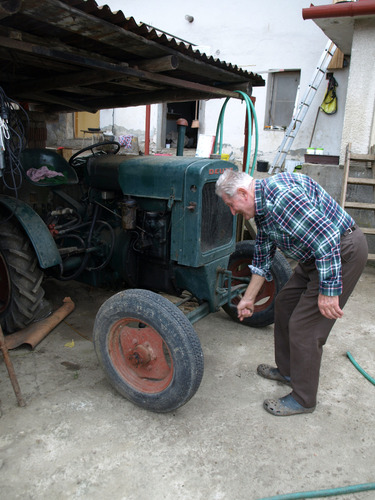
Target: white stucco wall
358, 125
130, 120
256, 36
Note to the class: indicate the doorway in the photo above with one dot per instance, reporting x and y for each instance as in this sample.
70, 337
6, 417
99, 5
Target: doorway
188, 110
84, 121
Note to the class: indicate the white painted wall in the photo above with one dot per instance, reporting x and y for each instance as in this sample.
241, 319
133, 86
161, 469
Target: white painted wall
121, 121
360, 106
256, 36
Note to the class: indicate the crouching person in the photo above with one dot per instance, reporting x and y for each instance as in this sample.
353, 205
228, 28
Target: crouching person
294, 213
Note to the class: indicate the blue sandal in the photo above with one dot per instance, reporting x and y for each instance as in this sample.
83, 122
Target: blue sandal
285, 406
272, 373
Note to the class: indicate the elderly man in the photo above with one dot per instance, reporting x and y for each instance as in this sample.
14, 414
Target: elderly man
295, 214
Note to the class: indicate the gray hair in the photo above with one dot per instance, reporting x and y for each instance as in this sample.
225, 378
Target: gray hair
230, 181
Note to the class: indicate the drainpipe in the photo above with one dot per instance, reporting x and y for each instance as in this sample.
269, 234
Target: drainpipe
343, 9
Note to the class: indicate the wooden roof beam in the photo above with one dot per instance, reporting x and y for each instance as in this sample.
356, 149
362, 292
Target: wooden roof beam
121, 69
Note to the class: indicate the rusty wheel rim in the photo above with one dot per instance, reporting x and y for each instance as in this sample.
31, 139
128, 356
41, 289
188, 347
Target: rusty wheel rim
266, 295
140, 356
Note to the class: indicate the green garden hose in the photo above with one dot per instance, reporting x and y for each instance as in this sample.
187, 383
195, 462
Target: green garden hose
361, 370
251, 117
335, 491
324, 493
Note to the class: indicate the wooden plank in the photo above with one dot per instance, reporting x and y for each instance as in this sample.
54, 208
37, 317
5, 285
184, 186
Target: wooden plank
367, 230
362, 157
80, 78
361, 206
44, 97
345, 175
170, 95
362, 181
371, 256
93, 63
337, 61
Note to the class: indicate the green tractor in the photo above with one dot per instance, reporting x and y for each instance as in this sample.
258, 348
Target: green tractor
151, 225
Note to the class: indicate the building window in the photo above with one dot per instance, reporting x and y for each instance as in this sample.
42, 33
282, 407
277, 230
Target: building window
282, 94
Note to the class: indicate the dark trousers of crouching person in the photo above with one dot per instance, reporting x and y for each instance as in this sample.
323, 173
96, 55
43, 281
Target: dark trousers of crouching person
300, 329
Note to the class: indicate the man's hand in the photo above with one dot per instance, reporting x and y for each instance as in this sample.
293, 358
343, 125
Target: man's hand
329, 307
245, 308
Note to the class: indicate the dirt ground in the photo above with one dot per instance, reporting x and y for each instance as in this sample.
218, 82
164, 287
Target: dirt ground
77, 438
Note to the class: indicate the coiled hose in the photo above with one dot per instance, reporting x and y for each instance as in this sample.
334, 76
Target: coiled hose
251, 115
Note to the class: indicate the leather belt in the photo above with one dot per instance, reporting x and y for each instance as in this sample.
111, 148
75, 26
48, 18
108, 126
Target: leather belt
349, 231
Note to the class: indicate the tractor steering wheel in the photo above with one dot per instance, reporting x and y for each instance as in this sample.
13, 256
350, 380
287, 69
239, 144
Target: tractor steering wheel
74, 161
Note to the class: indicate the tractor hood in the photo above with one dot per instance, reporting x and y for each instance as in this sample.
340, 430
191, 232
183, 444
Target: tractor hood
157, 177
164, 177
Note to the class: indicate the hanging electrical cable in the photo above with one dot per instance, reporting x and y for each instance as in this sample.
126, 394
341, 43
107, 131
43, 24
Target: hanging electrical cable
251, 115
12, 135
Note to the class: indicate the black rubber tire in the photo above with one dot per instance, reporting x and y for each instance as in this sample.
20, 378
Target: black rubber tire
133, 326
21, 298
281, 272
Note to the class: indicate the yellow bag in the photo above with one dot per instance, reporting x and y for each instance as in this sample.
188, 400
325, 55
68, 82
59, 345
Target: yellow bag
329, 104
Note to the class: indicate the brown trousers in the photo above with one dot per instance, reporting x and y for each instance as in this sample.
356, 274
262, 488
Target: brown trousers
300, 329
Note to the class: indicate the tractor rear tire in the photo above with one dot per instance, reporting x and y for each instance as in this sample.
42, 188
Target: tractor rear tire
148, 349
265, 303
21, 294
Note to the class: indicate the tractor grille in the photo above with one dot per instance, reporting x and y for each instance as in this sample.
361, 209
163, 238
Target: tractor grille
217, 220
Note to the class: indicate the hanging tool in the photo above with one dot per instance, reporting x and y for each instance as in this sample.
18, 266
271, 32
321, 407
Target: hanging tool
195, 122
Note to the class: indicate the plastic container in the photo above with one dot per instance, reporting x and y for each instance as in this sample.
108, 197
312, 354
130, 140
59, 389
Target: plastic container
262, 166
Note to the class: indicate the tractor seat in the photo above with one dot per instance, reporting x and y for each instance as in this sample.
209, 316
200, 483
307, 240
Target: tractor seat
44, 167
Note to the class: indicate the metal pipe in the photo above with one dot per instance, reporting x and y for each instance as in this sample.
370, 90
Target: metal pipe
181, 129
344, 9
147, 131
11, 372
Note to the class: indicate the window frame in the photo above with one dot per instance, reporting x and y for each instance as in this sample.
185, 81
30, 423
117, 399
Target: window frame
277, 118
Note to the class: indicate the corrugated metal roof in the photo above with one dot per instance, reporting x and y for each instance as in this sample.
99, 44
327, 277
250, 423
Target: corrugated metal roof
65, 55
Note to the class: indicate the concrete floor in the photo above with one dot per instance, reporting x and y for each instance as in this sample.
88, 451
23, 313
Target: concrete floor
77, 438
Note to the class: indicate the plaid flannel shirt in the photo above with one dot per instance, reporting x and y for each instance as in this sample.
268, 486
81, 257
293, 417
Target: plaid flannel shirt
295, 214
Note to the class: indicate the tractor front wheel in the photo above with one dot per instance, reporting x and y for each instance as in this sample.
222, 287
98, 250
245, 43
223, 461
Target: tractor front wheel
148, 349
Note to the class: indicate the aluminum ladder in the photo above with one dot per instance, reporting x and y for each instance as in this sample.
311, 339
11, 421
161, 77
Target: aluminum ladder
303, 108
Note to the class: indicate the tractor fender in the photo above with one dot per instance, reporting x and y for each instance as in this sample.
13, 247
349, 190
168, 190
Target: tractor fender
38, 233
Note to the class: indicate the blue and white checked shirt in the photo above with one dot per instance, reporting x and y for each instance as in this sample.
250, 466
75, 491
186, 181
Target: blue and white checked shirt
295, 214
